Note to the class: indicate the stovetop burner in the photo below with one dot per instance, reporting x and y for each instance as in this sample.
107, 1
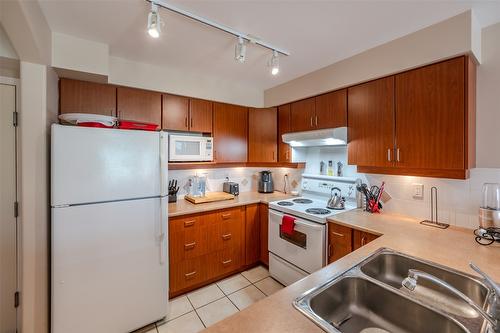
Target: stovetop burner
302, 201
318, 211
285, 203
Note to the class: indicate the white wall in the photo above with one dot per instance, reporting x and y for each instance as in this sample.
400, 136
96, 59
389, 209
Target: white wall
442, 40
170, 79
38, 110
488, 100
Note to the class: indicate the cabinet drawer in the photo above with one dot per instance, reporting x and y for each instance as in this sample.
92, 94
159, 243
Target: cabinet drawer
225, 261
188, 273
229, 230
189, 237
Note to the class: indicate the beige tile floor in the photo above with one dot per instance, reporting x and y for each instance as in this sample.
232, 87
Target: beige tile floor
198, 309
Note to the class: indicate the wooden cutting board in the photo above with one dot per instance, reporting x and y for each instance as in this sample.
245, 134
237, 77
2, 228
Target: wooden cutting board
210, 197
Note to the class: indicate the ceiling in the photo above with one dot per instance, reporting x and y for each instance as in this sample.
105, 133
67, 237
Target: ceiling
316, 33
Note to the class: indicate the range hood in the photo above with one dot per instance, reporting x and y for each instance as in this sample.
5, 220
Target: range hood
324, 137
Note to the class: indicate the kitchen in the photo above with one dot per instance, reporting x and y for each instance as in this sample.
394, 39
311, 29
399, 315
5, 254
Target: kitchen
319, 167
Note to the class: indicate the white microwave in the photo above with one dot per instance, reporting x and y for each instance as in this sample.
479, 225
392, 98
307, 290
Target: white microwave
185, 148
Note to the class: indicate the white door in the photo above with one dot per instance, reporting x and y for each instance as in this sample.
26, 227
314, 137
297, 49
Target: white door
305, 250
109, 266
8, 222
95, 165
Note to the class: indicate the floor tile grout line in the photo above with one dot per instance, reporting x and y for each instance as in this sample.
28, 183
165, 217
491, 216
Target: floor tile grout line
194, 309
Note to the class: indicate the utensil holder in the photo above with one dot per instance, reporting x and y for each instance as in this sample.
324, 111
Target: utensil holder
172, 198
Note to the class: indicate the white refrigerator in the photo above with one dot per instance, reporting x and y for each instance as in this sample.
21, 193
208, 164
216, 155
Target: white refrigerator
109, 229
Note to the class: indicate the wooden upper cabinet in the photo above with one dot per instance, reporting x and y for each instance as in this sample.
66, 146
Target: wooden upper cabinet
303, 115
371, 123
86, 97
200, 115
431, 116
230, 129
139, 105
175, 115
262, 133
284, 150
331, 109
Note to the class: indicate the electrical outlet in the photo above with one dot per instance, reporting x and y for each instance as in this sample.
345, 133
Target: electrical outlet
418, 191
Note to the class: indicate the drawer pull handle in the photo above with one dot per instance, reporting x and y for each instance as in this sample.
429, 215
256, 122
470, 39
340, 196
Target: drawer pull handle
190, 275
337, 234
363, 241
189, 223
226, 216
189, 246
227, 262
226, 237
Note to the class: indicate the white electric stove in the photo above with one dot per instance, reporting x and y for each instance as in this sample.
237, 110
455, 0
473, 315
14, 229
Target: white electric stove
292, 257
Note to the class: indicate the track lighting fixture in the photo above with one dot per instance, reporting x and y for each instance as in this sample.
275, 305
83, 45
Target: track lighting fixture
240, 50
274, 63
154, 21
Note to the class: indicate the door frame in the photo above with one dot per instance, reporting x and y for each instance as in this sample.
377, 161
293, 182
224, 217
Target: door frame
16, 83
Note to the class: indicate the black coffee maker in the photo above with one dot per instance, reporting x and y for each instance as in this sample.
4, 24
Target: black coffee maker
266, 182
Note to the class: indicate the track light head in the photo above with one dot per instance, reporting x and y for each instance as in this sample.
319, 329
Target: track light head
154, 21
240, 50
274, 63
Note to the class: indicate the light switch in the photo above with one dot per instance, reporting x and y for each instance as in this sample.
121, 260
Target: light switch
418, 191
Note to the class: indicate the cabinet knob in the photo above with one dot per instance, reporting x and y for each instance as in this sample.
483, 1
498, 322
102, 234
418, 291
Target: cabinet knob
191, 125
398, 155
226, 216
226, 237
389, 154
190, 275
227, 262
189, 223
186, 122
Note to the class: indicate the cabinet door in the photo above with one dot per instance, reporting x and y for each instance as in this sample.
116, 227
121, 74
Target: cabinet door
175, 115
361, 238
200, 115
139, 105
303, 115
230, 133
371, 123
86, 97
264, 233
252, 234
339, 241
430, 116
262, 133
284, 150
331, 109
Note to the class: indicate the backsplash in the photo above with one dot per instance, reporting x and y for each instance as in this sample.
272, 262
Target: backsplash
458, 200
247, 178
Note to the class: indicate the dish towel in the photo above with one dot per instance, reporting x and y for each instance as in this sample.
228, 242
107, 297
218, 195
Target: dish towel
287, 225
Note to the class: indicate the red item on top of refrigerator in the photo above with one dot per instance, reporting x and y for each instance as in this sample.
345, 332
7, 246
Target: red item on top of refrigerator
136, 125
93, 124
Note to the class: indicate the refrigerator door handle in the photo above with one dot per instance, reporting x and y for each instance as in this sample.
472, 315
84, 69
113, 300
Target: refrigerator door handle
163, 164
162, 236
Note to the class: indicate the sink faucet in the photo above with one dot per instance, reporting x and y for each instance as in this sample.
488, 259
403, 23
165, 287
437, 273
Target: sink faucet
410, 283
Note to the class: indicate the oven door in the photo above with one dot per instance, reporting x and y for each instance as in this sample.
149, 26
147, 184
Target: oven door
306, 249
188, 148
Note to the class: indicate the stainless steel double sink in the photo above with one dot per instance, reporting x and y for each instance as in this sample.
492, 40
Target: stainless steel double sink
369, 298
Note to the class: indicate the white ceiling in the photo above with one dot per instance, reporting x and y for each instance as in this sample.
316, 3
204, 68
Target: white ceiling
316, 33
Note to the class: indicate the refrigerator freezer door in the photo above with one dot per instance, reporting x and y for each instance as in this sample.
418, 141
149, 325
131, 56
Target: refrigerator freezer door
95, 165
109, 266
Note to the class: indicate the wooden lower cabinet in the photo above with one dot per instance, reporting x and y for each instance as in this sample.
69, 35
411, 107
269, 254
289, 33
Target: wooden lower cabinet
339, 241
252, 234
207, 246
264, 233
343, 240
361, 238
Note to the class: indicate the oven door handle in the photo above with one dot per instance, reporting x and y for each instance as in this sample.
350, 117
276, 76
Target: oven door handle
298, 221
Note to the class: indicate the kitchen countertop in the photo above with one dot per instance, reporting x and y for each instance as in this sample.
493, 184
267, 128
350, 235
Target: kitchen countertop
184, 207
454, 247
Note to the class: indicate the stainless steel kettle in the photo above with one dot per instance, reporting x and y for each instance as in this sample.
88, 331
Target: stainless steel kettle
336, 201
